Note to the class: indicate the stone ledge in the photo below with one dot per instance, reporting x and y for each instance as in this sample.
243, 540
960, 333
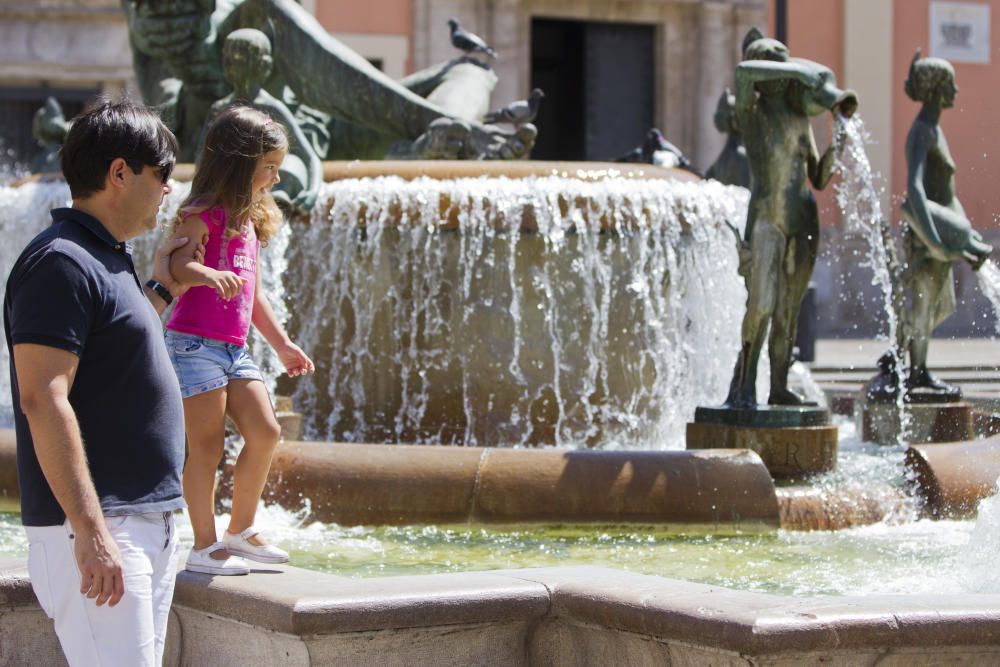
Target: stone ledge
758, 624
314, 603
307, 614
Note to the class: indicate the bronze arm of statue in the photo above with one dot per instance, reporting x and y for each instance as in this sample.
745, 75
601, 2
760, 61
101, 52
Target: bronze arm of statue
941, 226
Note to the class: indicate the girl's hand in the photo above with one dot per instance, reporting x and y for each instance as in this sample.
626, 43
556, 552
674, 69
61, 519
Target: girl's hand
295, 360
226, 283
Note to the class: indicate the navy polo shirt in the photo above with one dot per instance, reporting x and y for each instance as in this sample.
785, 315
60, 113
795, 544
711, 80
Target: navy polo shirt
75, 288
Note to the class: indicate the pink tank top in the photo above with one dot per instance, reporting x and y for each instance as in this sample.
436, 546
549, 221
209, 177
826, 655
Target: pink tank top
200, 310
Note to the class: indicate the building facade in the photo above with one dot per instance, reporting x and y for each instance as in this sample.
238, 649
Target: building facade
612, 70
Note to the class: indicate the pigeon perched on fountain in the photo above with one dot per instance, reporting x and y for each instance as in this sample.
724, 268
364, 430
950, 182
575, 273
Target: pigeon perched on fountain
655, 149
518, 113
467, 41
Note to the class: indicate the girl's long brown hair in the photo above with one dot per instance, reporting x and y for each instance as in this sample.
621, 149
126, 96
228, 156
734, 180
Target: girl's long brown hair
235, 141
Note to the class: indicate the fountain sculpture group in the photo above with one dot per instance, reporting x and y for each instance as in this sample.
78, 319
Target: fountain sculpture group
193, 59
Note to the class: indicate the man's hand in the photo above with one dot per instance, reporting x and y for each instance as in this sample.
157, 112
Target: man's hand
161, 263
100, 564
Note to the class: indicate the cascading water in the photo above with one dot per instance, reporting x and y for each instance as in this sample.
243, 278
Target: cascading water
505, 312
989, 283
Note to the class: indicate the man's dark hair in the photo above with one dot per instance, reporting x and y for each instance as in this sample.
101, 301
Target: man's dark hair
112, 130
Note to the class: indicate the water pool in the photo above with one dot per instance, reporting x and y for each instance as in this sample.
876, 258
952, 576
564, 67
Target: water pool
915, 557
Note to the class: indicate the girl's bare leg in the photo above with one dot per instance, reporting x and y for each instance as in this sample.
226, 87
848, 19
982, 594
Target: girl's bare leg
250, 408
204, 418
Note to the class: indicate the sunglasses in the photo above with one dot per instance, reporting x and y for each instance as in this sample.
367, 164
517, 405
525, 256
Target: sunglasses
162, 171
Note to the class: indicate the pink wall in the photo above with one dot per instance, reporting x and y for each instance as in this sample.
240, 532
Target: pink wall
393, 17
377, 17
971, 126
815, 32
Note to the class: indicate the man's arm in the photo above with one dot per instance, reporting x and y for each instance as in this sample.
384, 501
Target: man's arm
44, 378
161, 270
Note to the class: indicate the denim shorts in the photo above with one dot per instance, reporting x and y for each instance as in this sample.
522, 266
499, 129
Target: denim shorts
203, 364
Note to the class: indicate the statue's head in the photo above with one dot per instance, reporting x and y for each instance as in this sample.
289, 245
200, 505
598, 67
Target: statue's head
724, 120
246, 57
931, 81
758, 47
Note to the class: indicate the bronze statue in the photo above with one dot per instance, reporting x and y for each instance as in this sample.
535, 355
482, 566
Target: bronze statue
775, 96
731, 167
938, 232
346, 107
247, 63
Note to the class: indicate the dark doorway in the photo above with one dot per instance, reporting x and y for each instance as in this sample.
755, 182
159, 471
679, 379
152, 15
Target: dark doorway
599, 83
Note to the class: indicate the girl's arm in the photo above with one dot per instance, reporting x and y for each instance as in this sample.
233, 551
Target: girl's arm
186, 268
296, 361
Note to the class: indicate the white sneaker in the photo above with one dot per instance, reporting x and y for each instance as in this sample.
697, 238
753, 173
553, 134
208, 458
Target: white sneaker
200, 560
240, 545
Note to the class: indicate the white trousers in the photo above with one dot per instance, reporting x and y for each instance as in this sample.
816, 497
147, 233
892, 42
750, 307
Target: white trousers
133, 631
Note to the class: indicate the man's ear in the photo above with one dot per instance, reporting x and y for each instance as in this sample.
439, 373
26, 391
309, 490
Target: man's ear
116, 177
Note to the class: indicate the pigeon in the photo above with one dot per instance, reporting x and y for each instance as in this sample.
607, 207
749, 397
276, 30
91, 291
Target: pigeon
468, 42
518, 113
657, 150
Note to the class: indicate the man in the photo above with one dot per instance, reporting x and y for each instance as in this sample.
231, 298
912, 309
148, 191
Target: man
97, 408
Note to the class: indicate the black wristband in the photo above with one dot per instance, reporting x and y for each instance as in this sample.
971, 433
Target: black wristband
160, 290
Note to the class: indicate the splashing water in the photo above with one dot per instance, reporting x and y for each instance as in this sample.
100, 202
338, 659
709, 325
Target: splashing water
989, 283
858, 197
980, 571
497, 311
24, 212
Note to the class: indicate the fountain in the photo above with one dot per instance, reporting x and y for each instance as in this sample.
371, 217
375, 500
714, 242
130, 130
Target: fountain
560, 322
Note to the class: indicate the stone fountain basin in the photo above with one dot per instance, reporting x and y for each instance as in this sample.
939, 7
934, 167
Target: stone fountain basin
488, 304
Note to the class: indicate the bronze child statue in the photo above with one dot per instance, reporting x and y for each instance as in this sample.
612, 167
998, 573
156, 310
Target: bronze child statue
247, 64
775, 97
937, 234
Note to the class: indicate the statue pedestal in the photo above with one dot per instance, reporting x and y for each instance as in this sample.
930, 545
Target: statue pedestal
793, 442
917, 423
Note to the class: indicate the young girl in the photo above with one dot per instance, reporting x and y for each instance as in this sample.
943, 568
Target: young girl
231, 203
